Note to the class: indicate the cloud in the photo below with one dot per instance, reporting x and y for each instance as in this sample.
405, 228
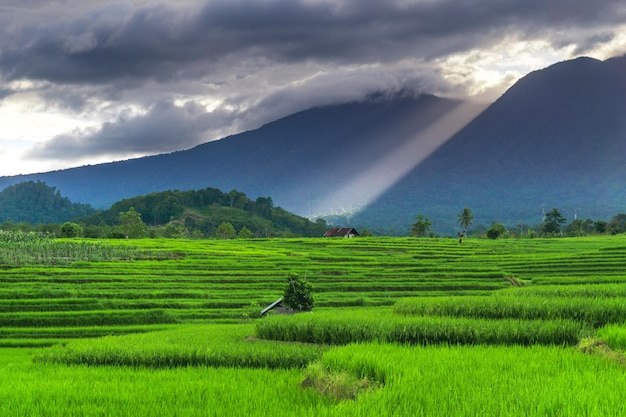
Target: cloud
339, 85
168, 40
586, 45
240, 63
76, 44
5, 92
164, 128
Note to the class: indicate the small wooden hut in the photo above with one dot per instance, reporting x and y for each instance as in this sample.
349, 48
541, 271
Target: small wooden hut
345, 232
278, 307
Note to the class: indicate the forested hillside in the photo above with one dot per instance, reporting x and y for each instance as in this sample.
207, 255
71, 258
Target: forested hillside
36, 203
203, 213
199, 213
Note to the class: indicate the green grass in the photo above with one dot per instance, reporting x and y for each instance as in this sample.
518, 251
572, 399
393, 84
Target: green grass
594, 311
345, 327
614, 335
417, 381
59, 390
482, 380
205, 345
185, 281
172, 281
416, 327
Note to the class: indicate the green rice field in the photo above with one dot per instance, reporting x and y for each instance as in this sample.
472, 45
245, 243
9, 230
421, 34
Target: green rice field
401, 327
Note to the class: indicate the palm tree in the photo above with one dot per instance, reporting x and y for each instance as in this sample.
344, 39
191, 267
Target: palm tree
465, 219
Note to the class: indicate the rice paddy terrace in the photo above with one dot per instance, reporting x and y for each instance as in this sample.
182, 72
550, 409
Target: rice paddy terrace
66, 289
402, 326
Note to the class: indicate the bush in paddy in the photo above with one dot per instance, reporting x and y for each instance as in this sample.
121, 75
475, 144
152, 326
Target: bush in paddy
69, 229
298, 293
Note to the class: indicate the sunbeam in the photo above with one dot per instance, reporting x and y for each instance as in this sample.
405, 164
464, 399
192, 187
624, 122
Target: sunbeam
368, 185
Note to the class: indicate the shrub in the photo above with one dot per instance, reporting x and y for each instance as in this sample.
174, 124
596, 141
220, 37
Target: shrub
495, 231
69, 229
298, 293
225, 231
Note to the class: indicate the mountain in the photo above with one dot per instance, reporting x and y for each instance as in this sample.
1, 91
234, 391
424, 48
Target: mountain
557, 138
305, 162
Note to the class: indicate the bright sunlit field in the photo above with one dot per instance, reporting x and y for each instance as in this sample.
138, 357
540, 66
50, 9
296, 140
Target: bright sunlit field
401, 327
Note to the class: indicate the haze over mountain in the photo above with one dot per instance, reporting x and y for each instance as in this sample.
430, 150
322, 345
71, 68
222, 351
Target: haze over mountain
557, 137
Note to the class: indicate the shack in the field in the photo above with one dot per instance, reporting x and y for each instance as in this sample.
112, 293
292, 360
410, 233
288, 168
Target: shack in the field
278, 307
345, 232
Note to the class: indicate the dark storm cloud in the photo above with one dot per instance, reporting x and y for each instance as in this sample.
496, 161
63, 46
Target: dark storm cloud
164, 128
257, 59
5, 92
166, 41
66, 98
583, 46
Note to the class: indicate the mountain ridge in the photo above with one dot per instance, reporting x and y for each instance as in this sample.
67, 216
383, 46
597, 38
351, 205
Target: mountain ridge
556, 138
291, 159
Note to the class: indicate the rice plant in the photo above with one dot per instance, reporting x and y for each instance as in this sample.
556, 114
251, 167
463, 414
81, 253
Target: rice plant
464, 381
20, 249
614, 335
213, 345
334, 328
592, 311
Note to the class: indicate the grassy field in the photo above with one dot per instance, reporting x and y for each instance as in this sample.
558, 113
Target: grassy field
402, 326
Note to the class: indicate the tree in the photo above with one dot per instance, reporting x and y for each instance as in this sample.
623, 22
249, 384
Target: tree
421, 226
225, 231
69, 229
575, 228
238, 199
588, 226
600, 226
579, 227
298, 293
552, 223
465, 219
617, 224
174, 231
495, 231
132, 225
245, 233
263, 207
167, 209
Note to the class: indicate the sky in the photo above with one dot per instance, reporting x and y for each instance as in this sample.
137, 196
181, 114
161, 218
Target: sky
90, 81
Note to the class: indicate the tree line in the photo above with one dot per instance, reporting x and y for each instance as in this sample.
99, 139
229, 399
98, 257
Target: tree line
554, 224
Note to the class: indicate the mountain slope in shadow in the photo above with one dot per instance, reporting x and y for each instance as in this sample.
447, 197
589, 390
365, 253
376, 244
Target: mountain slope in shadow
556, 138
